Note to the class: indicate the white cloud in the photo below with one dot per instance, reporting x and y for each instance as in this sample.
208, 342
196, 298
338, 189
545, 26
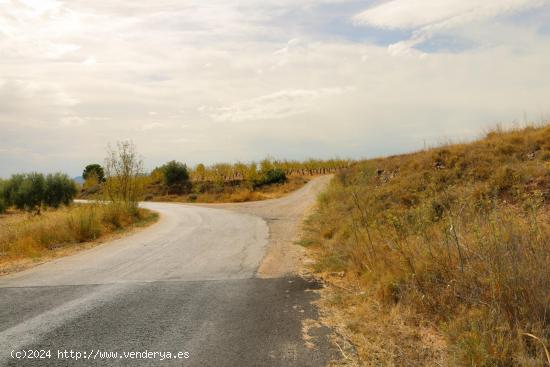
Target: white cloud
324, 95
428, 17
408, 14
152, 126
276, 105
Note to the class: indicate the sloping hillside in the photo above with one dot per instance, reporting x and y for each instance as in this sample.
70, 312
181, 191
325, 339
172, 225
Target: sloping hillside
442, 256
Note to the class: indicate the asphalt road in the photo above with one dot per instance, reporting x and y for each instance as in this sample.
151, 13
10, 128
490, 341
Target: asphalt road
189, 285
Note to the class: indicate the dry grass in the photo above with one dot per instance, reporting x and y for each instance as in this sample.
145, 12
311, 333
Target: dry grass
236, 193
451, 241
26, 236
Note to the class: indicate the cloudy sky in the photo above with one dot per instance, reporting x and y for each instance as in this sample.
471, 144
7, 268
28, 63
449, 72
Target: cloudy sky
222, 80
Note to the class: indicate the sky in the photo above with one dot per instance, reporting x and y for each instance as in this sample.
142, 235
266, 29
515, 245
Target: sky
221, 80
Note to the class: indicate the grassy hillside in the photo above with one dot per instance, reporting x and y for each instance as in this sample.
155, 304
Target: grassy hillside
442, 257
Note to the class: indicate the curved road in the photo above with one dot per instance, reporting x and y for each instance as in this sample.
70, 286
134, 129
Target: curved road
214, 283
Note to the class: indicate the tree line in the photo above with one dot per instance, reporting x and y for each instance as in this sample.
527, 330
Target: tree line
252, 171
33, 191
180, 178
120, 178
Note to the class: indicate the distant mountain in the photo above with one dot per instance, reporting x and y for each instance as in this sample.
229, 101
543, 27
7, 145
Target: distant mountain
78, 180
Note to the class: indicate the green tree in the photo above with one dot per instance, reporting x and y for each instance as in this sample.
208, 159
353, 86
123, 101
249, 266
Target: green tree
175, 177
60, 189
30, 191
92, 170
175, 173
11, 187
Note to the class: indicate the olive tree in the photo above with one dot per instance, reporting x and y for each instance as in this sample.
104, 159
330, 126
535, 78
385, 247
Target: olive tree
32, 191
28, 192
60, 189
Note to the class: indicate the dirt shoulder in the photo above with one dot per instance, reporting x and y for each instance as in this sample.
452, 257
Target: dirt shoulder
284, 217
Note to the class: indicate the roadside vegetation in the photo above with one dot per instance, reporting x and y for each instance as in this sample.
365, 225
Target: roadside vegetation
222, 182
442, 257
38, 219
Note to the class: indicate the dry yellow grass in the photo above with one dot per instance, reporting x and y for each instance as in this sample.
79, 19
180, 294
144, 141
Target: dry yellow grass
452, 242
26, 238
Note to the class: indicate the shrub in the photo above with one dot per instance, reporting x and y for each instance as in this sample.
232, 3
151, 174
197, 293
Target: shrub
84, 224
175, 175
271, 176
2, 205
124, 172
60, 189
114, 215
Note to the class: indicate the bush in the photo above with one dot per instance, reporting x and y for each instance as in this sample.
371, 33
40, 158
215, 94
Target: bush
84, 224
124, 174
175, 173
271, 176
2, 205
176, 176
60, 189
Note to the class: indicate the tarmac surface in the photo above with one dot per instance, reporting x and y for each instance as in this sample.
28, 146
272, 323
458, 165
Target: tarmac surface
208, 285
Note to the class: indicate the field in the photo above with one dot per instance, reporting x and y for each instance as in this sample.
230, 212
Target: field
441, 257
27, 239
227, 192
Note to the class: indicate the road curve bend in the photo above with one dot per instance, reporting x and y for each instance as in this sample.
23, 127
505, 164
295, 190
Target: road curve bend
186, 285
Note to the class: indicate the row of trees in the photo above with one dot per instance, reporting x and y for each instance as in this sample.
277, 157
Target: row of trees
121, 180
178, 178
123, 173
32, 191
253, 171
